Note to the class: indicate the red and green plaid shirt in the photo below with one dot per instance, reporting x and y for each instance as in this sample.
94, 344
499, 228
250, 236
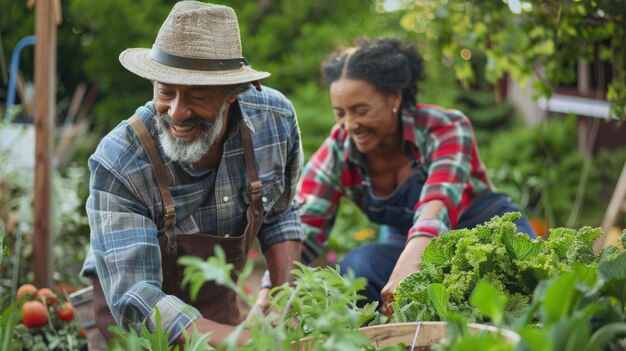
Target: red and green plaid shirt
442, 140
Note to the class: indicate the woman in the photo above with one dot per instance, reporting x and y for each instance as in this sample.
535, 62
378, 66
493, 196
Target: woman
414, 168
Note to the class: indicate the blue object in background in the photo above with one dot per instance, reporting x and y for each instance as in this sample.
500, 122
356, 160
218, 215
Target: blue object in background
15, 61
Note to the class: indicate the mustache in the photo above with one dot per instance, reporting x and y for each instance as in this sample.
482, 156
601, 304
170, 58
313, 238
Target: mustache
190, 122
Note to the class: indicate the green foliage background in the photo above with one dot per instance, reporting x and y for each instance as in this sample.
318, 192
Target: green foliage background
287, 38
290, 38
542, 39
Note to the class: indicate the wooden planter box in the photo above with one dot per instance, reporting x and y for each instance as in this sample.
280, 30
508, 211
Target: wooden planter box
430, 333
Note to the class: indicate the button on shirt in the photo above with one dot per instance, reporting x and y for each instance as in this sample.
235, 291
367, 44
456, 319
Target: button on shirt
125, 210
441, 140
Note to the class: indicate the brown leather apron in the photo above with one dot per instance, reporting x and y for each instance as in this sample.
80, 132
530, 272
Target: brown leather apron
215, 302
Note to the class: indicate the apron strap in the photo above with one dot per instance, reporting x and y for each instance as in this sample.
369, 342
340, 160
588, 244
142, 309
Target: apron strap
212, 306
157, 166
254, 183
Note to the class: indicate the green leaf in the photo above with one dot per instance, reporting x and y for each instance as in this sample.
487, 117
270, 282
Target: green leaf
605, 334
245, 273
570, 334
2, 247
8, 320
535, 339
489, 301
197, 342
130, 341
439, 297
537, 32
522, 247
158, 340
215, 268
484, 342
560, 298
545, 48
456, 328
612, 276
53, 340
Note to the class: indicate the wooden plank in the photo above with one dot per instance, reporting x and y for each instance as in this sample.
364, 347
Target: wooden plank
45, 91
77, 99
27, 103
617, 200
584, 147
58, 15
384, 335
3, 65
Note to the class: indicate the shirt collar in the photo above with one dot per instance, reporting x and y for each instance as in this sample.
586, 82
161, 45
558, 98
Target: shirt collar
241, 113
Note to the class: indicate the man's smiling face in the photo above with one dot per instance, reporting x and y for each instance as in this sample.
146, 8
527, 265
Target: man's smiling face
190, 119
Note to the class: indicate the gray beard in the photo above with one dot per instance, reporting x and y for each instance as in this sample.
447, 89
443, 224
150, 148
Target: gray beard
189, 151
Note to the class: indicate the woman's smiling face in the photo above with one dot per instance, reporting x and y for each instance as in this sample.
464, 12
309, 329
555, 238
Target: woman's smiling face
366, 113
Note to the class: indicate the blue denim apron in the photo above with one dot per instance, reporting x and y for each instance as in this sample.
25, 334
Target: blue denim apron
395, 215
396, 210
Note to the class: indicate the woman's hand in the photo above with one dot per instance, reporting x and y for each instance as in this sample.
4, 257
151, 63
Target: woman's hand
408, 262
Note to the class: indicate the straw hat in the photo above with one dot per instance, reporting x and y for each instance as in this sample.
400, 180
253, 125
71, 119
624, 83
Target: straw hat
198, 44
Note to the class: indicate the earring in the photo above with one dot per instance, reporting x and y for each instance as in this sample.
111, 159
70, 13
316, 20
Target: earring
395, 110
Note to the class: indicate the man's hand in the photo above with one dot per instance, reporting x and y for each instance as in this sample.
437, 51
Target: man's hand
408, 262
261, 307
280, 259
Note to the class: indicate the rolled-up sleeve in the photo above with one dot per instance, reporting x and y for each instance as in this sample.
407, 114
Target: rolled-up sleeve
450, 151
127, 256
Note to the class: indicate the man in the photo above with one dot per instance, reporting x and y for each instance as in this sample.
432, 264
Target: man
210, 161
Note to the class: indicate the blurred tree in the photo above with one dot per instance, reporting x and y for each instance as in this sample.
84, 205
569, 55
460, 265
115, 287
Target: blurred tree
105, 29
288, 38
16, 22
538, 38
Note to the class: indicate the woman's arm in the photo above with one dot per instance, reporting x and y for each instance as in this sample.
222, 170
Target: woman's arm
451, 149
410, 258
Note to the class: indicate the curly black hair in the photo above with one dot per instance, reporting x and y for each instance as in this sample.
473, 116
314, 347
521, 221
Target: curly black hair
388, 64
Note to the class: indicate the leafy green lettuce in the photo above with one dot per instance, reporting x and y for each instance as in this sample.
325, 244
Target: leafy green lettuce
510, 261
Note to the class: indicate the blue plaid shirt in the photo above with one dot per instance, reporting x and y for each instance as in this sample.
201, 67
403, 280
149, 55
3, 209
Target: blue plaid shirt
125, 210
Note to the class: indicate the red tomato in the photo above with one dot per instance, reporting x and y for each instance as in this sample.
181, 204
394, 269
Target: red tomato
47, 296
83, 333
34, 314
26, 291
65, 311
